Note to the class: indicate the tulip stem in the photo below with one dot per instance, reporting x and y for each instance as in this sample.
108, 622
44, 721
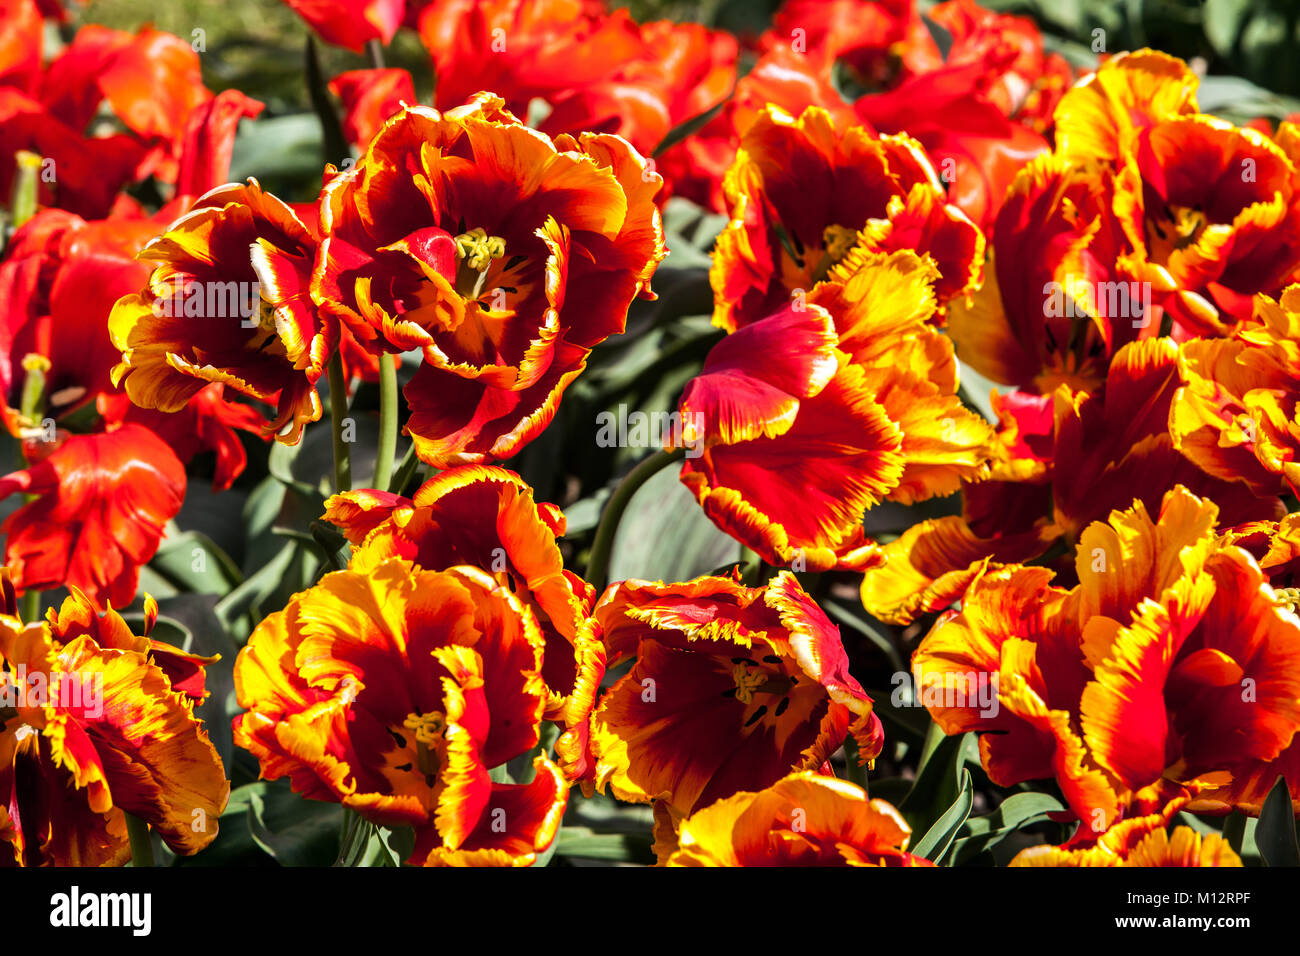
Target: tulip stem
338, 415
375, 50
854, 772
387, 423
601, 548
29, 610
141, 842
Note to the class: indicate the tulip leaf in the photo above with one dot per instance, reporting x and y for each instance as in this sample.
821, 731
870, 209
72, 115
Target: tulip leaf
332, 544
266, 818
333, 143
689, 232
614, 847
288, 832
691, 126
401, 842
1224, 21
306, 466
938, 781
665, 535
1275, 835
192, 562
256, 590
934, 845
287, 147
361, 843
1014, 813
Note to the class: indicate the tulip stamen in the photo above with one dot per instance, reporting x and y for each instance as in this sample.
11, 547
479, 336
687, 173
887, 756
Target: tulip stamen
476, 251
751, 680
837, 241
1180, 228
748, 681
1288, 598
428, 730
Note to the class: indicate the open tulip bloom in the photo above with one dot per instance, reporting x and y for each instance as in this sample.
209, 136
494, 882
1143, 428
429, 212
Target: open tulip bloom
853, 433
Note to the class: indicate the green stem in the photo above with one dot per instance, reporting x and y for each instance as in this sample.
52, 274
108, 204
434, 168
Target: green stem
338, 412
32, 410
387, 423
141, 843
375, 50
29, 609
23, 199
854, 771
601, 548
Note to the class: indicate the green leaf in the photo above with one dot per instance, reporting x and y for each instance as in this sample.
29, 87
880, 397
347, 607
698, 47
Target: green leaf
267, 819
282, 146
1224, 21
247, 599
1236, 98
333, 142
401, 842
333, 545
584, 515
1276, 835
193, 562
691, 126
1016, 811
939, 837
690, 231
307, 466
665, 535
976, 391
361, 843
938, 779
614, 847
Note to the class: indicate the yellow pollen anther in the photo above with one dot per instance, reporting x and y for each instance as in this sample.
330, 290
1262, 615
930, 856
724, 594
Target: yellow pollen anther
428, 728
1288, 598
838, 241
477, 249
748, 680
266, 316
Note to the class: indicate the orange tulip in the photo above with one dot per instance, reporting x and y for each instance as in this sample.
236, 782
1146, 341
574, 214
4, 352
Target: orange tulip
101, 724
394, 692
804, 819
730, 689
503, 256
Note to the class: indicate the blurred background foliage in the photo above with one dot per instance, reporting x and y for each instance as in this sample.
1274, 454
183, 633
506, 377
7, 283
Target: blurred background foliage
1245, 48
1252, 39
